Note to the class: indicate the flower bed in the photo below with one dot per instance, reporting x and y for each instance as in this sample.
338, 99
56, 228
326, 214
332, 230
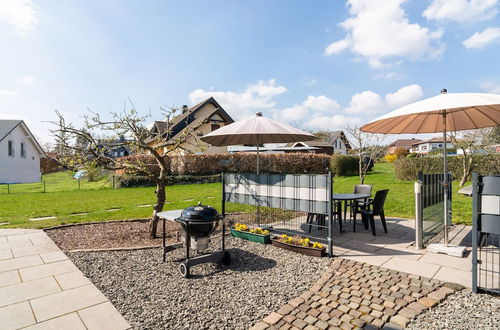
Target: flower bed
299, 245
258, 235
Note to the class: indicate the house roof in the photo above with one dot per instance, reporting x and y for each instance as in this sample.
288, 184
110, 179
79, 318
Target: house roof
8, 125
339, 134
403, 143
162, 127
314, 143
433, 140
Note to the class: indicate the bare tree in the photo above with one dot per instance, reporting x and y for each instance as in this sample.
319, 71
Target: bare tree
367, 147
82, 146
474, 149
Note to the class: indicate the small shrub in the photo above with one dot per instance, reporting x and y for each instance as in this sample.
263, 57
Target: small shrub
390, 158
343, 165
401, 153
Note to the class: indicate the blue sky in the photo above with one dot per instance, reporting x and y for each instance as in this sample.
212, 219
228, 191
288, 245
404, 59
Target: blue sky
316, 64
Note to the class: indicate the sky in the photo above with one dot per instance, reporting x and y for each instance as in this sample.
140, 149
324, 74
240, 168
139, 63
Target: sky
318, 65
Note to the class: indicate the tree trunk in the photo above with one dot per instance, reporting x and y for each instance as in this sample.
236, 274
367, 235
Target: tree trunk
158, 207
361, 174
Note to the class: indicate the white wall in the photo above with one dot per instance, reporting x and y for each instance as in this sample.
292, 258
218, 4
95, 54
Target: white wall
18, 169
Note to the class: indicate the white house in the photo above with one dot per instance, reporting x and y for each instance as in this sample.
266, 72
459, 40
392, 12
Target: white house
434, 144
20, 153
339, 142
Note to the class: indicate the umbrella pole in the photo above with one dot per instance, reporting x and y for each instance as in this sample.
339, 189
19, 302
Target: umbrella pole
445, 183
258, 180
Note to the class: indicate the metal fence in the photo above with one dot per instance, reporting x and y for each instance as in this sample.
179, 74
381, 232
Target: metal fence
46, 187
293, 204
486, 234
429, 206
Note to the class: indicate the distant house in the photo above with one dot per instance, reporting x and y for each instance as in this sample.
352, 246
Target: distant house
204, 117
314, 146
401, 143
434, 144
115, 148
339, 142
20, 153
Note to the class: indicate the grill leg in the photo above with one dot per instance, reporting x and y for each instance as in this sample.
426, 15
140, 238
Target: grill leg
164, 241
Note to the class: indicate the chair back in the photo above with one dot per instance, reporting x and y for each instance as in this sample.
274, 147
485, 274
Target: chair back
379, 200
363, 189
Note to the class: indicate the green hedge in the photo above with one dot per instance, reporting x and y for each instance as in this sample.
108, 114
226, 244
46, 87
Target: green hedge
342, 165
126, 181
406, 169
209, 164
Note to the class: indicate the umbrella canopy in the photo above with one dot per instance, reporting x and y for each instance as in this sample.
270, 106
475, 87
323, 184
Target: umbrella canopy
255, 131
464, 111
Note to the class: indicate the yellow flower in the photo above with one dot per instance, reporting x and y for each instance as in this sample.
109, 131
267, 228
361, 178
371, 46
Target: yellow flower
317, 245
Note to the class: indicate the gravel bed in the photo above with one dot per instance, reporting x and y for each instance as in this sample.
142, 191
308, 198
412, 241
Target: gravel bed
151, 294
461, 310
110, 235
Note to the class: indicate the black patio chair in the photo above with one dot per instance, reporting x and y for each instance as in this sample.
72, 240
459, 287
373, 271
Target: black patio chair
375, 207
321, 218
355, 206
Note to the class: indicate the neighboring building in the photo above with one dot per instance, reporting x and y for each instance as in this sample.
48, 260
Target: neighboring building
204, 117
314, 146
401, 143
115, 148
20, 153
339, 142
434, 144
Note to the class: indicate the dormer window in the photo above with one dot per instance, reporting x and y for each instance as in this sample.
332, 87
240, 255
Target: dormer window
11, 148
23, 150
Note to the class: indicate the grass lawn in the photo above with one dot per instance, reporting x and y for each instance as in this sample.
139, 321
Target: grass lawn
18, 208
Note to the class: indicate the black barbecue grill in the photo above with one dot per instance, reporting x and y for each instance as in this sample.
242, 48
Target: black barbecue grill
198, 223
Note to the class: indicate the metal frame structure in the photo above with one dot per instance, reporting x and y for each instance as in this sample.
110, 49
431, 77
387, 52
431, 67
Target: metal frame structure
304, 193
486, 234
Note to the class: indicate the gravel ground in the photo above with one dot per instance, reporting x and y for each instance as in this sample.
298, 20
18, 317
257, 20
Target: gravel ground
461, 310
107, 235
152, 295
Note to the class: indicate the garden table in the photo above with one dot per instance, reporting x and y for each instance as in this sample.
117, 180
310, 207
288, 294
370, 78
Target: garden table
344, 198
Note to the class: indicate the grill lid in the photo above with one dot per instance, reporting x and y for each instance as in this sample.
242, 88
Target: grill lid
199, 213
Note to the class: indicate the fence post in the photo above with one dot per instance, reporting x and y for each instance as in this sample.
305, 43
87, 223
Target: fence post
330, 214
8, 188
113, 180
44, 188
418, 215
475, 219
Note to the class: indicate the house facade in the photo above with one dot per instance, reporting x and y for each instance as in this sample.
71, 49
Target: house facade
20, 153
434, 144
204, 117
339, 142
401, 143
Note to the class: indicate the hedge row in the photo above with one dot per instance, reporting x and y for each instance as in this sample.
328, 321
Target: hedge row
407, 168
210, 164
126, 181
342, 165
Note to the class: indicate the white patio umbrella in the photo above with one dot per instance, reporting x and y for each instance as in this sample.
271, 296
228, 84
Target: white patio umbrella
440, 114
256, 130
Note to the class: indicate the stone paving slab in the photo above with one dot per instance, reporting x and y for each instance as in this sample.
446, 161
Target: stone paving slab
357, 295
40, 288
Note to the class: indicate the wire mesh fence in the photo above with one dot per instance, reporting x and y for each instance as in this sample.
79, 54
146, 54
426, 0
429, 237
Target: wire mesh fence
43, 186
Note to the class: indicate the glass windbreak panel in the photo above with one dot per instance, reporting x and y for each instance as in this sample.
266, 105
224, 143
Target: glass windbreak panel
433, 221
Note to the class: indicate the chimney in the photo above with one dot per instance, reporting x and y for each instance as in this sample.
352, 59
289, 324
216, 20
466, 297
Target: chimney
184, 108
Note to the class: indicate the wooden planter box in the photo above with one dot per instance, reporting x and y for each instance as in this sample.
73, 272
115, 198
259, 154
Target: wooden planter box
309, 251
263, 239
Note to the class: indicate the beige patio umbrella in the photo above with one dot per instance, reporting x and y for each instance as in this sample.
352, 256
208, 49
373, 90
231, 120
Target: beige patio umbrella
256, 130
440, 114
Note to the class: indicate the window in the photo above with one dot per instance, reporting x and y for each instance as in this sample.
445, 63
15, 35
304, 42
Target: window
23, 150
214, 127
11, 148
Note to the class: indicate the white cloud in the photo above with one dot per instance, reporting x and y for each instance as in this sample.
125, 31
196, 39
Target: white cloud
366, 102
27, 80
257, 96
482, 39
331, 123
6, 92
311, 82
463, 11
404, 95
321, 103
491, 87
388, 75
378, 30
20, 14
293, 114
